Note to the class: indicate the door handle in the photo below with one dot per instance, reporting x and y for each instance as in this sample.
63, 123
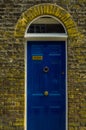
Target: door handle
46, 93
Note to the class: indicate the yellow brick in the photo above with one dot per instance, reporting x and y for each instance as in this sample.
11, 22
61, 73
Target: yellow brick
71, 128
82, 128
43, 9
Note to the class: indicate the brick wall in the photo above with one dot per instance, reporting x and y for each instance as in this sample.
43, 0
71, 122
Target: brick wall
12, 63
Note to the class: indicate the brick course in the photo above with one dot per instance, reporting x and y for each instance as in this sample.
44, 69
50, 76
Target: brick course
12, 64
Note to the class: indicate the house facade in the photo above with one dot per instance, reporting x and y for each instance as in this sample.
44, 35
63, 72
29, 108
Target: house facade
15, 19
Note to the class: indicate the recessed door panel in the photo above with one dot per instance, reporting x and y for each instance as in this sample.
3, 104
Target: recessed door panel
46, 86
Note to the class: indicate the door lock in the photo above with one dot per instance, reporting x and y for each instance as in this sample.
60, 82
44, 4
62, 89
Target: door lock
46, 93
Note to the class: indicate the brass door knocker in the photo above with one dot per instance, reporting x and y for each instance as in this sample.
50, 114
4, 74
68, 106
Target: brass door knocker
46, 69
46, 93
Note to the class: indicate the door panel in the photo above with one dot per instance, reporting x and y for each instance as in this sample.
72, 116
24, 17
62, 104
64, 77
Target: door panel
46, 89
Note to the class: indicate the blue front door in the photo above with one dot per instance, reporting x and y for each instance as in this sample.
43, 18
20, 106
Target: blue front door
46, 85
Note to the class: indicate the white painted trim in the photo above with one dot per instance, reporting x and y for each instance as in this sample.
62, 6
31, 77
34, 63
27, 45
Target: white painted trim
46, 20
25, 116
25, 128
44, 37
66, 87
45, 16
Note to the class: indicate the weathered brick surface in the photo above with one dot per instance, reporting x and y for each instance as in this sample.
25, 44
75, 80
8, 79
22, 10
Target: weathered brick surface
12, 64
46, 9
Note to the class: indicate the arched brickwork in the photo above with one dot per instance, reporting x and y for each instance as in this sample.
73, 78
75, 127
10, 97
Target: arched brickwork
46, 9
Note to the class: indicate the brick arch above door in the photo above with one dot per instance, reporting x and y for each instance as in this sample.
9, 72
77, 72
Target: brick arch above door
46, 9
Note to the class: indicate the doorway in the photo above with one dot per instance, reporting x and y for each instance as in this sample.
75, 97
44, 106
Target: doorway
46, 77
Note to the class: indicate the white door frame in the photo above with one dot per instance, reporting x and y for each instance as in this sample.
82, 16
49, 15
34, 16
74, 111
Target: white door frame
44, 37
